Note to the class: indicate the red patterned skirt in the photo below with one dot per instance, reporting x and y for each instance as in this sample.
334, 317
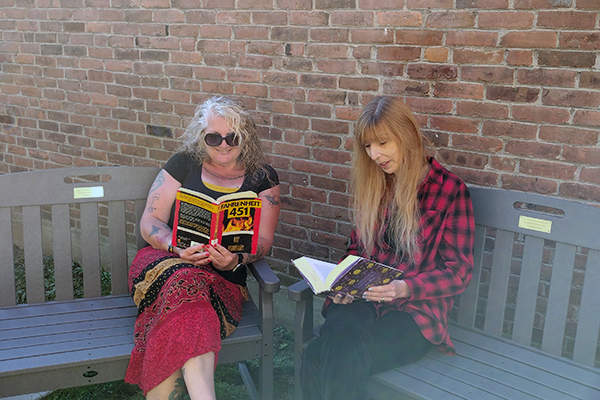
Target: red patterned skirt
183, 311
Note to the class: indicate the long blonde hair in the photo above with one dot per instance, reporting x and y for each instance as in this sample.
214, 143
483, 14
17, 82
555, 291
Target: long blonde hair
240, 121
378, 195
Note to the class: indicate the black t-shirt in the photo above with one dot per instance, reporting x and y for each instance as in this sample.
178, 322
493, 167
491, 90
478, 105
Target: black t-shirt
187, 171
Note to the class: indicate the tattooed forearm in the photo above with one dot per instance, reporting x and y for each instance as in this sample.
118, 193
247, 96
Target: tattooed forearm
272, 200
155, 229
260, 252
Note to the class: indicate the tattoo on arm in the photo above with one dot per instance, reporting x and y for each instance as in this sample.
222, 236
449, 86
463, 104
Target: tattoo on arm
153, 200
158, 182
272, 200
155, 229
259, 254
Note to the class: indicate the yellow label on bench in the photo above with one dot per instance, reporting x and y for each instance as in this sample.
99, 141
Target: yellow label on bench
535, 224
88, 192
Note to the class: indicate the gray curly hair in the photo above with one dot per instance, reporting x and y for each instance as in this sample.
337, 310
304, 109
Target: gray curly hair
240, 121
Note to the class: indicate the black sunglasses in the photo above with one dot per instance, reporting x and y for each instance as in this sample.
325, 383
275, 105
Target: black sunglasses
214, 139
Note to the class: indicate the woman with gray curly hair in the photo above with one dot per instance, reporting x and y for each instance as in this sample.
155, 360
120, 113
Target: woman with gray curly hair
190, 299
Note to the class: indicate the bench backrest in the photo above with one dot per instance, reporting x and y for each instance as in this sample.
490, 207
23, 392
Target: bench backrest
536, 279
72, 215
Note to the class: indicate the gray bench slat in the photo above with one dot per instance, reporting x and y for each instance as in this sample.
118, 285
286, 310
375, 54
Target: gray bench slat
396, 385
34, 267
61, 242
7, 266
510, 383
117, 229
588, 327
474, 377
125, 327
63, 348
90, 252
556, 373
558, 298
468, 299
498, 285
528, 290
447, 383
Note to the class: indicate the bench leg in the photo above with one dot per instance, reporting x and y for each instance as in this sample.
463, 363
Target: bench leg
265, 372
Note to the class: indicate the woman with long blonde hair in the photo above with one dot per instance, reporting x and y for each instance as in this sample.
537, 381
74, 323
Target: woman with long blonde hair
412, 214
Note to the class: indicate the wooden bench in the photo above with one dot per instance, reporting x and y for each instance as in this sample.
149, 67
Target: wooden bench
83, 216
527, 326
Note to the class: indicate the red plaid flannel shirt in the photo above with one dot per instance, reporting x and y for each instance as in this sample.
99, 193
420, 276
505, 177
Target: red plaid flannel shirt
444, 266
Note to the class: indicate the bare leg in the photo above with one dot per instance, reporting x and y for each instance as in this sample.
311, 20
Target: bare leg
172, 388
199, 375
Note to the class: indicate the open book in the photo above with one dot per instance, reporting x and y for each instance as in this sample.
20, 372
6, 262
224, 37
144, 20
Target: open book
353, 275
231, 220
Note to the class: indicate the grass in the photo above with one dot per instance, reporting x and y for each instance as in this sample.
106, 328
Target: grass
228, 381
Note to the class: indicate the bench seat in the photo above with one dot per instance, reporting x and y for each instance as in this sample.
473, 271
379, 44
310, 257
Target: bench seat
488, 367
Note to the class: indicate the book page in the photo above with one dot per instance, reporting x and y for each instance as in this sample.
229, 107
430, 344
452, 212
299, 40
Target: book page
314, 271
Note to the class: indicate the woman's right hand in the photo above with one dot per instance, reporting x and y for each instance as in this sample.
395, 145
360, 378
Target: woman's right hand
342, 298
197, 254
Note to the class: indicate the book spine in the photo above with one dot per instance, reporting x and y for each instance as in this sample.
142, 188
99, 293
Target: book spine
256, 227
175, 223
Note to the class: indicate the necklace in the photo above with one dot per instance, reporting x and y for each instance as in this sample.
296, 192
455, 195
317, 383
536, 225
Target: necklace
224, 178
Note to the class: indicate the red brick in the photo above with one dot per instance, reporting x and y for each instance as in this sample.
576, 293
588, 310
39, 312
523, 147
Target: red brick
519, 57
329, 35
429, 4
294, 4
326, 96
585, 117
436, 54
567, 19
487, 74
588, 5
589, 79
398, 53
308, 18
569, 135
506, 19
432, 71
503, 164
529, 184
590, 175
347, 113
533, 150
541, 114
520, 94
326, 211
454, 124
429, 105
359, 84
420, 37
288, 121
547, 77
328, 183
310, 166
462, 158
580, 40
584, 155
450, 19
548, 169
535, 4
372, 35
576, 59
267, 48
329, 126
320, 81
458, 90
313, 110
311, 194
381, 68
327, 50
293, 94
571, 98
399, 18
337, 66
251, 32
580, 191
331, 156
484, 110
477, 143
529, 39
471, 38
473, 56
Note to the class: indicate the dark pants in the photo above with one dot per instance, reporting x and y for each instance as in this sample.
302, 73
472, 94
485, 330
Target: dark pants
353, 346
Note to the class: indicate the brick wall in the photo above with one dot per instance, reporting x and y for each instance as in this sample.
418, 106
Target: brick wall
507, 90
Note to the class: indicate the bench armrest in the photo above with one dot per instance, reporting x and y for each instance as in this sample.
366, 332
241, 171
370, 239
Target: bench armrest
301, 293
266, 278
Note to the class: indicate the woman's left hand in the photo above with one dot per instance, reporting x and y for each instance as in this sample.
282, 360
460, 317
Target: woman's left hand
398, 289
221, 258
